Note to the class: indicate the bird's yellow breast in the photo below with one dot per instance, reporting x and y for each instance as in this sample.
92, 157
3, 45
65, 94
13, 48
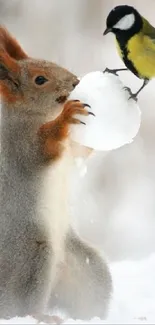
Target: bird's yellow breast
141, 52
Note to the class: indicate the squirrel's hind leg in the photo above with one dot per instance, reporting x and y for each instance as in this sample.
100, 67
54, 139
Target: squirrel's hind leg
84, 288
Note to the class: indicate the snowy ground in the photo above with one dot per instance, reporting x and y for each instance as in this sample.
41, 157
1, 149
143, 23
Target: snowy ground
133, 298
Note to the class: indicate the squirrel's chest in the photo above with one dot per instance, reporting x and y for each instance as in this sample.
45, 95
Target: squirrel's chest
52, 205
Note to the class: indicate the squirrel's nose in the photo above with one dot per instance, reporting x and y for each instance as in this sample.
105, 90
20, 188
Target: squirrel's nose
75, 83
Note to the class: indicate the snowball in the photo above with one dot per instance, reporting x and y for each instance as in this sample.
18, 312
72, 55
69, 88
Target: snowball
117, 119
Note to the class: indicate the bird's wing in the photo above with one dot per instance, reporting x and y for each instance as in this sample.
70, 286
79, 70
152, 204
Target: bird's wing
148, 30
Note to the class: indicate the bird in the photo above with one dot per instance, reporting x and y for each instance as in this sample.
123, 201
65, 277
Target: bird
135, 42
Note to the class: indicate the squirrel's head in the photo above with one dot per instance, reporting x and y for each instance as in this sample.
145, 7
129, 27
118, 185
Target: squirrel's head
34, 86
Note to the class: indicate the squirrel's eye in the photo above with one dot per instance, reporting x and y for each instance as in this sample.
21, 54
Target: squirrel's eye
40, 80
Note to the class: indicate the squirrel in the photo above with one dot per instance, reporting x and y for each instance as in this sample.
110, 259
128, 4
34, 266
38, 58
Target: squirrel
44, 264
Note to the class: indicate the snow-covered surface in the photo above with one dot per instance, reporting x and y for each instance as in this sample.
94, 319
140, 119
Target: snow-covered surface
133, 297
117, 120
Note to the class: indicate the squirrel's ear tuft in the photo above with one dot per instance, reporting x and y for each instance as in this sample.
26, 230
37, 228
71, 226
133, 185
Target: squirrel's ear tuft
9, 77
9, 44
7, 63
10, 54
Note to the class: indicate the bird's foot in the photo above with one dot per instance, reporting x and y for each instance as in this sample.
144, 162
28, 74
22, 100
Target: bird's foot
112, 71
132, 96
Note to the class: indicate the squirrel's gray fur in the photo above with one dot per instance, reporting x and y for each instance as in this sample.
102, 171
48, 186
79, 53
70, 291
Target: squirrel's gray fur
43, 263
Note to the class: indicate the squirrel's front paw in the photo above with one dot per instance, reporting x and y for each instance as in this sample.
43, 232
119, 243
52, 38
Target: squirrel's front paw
53, 132
72, 108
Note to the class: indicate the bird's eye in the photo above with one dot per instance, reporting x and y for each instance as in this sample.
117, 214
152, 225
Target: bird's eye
40, 80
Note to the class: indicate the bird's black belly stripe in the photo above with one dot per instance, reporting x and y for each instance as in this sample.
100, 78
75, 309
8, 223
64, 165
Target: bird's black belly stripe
127, 62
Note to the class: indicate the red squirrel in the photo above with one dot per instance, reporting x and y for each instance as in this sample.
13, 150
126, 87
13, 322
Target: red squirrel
43, 263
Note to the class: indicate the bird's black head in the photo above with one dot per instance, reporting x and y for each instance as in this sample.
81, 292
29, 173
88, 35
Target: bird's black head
124, 20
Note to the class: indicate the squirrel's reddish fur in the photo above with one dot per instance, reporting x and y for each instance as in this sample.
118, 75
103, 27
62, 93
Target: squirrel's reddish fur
10, 51
53, 132
10, 45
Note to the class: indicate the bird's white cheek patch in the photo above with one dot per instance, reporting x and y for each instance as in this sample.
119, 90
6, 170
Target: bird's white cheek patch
126, 22
117, 119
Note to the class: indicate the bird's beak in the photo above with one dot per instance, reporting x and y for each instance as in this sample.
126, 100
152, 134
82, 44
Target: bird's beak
108, 30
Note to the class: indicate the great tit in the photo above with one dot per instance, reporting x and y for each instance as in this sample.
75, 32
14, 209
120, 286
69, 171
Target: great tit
135, 41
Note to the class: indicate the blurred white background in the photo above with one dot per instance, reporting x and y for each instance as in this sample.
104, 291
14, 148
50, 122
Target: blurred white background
114, 204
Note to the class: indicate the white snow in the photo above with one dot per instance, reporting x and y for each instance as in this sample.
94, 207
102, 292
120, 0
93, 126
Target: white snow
117, 119
133, 297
